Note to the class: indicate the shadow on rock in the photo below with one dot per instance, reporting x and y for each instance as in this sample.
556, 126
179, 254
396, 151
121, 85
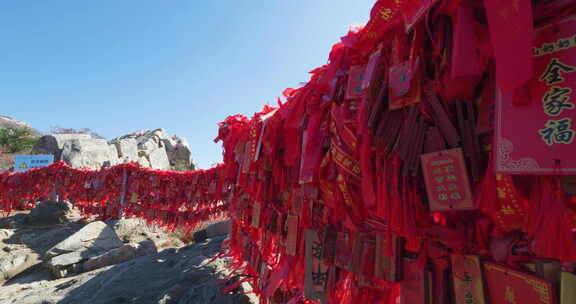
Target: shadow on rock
174, 276
25, 238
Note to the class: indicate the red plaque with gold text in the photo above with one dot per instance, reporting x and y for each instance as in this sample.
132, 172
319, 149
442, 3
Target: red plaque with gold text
447, 181
508, 286
536, 127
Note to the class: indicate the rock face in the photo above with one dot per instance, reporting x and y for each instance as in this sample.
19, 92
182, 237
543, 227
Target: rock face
9, 122
133, 230
155, 149
54, 144
119, 255
15, 262
52, 212
180, 276
213, 230
151, 149
92, 240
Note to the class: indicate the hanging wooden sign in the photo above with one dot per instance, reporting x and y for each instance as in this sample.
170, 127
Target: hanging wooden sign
388, 253
536, 132
292, 222
447, 181
506, 286
316, 271
405, 84
415, 283
567, 288
467, 279
355, 80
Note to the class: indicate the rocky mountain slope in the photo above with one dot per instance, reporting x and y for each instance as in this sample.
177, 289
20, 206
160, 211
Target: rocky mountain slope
9, 122
53, 256
151, 149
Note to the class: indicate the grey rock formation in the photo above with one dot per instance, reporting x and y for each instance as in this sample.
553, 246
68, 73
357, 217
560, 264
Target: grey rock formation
120, 255
14, 262
134, 230
92, 240
212, 230
52, 212
9, 122
89, 153
151, 149
54, 144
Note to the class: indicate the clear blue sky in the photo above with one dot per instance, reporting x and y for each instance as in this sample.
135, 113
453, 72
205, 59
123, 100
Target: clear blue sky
183, 65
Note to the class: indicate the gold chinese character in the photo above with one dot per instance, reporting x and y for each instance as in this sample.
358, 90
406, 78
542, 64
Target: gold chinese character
554, 70
558, 132
456, 196
439, 179
449, 169
437, 171
443, 196
441, 188
451, 178
507, 210
556, 100
453, 187
386, 14
509, 296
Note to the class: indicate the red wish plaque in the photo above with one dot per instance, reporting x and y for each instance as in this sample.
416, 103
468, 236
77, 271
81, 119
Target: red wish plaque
536, 132
415, 283
507, 286
405, 85
446, 180
355, 80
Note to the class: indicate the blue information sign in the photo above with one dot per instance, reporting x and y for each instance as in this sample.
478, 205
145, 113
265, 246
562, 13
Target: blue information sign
27, 162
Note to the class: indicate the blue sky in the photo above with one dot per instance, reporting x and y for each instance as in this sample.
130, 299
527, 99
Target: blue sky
120, 66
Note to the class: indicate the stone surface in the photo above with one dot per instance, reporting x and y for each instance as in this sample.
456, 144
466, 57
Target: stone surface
92, 240
9, 122
151, 149
96, 236
179, 153
54, 144
120, 255
13, 221
89, 153
127, 149
181, 276
135, 230
52, 212
158, 159
14, 262
213, 230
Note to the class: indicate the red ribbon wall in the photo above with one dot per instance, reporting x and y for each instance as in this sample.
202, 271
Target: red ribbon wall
168, 198
375, 182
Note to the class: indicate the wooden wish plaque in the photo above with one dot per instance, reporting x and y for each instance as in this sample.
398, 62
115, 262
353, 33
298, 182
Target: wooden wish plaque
508, 286
467, 279
447, 182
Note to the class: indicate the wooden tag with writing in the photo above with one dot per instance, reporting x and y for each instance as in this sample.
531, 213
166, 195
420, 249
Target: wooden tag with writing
447, 182
467, 279
292, 223
387, 260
